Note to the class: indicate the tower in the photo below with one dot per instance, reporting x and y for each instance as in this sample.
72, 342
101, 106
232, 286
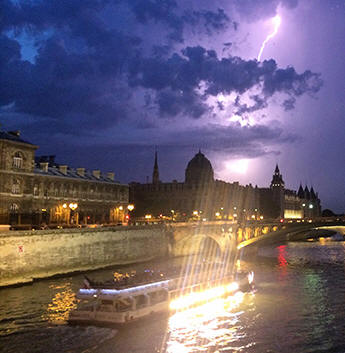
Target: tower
277, 187
155, 174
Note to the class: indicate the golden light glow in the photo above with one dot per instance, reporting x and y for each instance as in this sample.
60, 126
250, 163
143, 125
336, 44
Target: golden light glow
202, 297
130, 207
148, 216
62, 303
201, 328
64, 205
121, 208
195, 213
217, 214
73, 206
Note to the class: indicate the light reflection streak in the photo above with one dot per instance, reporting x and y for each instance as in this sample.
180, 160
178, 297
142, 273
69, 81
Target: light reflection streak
200, 297
214, 324
62, 303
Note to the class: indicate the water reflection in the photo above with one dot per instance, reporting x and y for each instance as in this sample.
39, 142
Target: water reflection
62, 303
206, 328
317, 307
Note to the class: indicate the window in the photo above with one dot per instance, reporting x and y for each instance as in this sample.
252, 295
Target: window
14, 208
36, 190
15, 187
17, 160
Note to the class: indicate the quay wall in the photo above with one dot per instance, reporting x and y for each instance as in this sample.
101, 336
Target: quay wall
29, 255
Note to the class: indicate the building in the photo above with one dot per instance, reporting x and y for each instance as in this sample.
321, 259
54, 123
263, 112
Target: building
200, 196
36, 191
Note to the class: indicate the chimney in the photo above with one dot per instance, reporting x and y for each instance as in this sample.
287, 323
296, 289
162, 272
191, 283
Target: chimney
14, 133
111, 176
44, 166
81, 171
96, 173
63, 169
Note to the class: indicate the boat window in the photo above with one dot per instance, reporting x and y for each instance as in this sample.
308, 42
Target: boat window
123, 305
86, 305
159, 296
141, 300
107, 302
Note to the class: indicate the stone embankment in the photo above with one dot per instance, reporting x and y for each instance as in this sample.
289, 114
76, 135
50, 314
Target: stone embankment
29, 255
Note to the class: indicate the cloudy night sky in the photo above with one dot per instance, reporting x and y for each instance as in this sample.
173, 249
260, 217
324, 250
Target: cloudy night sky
100, 83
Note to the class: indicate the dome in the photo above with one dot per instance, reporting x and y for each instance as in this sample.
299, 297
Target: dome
199, 170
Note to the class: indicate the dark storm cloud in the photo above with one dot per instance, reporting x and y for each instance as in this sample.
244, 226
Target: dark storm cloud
87, 70
259, 103
250, 140
178, 78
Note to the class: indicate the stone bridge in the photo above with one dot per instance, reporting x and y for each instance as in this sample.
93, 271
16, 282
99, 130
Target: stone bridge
270, 234
223, 236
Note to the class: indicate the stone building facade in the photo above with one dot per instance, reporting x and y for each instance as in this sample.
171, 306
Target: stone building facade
200, 196
40, 191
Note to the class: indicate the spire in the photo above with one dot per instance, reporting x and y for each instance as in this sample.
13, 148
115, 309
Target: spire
300, 192
312, 194
155, 174
306, 193
277, 180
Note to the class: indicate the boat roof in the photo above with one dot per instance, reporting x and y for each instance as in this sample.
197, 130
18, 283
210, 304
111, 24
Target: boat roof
117, 293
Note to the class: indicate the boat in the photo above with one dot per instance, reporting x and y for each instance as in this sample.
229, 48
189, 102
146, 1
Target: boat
121, 306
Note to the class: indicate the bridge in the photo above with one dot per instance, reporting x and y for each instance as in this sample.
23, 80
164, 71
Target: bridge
279, 232
226, 236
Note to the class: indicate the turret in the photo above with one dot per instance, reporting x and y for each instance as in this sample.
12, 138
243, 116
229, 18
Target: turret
277, 180
155, 174
306, 193
300, 192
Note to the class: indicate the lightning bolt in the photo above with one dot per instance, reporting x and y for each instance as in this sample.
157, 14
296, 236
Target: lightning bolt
276, 22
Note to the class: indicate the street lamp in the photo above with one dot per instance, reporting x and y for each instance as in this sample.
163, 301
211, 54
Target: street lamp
130, 207
73, 206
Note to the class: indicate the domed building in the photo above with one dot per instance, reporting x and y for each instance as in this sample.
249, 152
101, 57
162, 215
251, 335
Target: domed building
200, 196
199, 170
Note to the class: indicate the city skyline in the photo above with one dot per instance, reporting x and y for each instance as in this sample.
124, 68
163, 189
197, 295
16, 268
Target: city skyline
99, 84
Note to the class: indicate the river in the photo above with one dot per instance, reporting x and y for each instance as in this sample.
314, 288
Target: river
297, 306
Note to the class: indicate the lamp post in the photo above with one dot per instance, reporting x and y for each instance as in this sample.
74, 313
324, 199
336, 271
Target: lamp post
73, 217
130, 208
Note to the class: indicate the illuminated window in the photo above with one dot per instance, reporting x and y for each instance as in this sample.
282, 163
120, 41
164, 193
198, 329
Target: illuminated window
14, 207
17, 161
16, 187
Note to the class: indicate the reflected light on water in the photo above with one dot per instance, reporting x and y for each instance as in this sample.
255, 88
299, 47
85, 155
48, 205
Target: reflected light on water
203, 296
62, 303
214, 324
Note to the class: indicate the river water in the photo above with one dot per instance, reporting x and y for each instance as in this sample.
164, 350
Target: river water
298, 306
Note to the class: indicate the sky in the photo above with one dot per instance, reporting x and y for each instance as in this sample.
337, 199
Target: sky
102, 84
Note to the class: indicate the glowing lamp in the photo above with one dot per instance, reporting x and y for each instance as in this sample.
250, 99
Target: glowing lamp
73, 206
130, 207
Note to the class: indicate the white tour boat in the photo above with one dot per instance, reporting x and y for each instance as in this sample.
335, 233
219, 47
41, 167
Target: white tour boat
120, 306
